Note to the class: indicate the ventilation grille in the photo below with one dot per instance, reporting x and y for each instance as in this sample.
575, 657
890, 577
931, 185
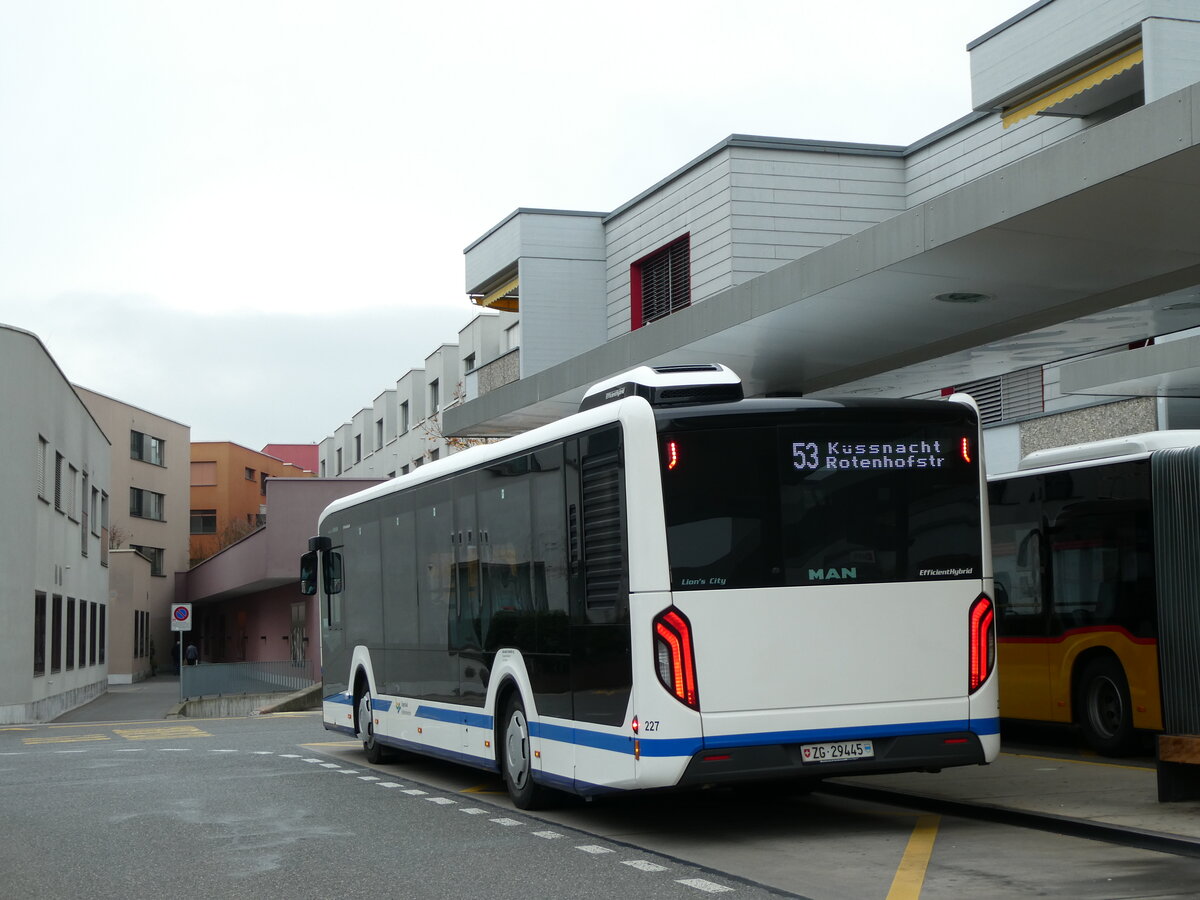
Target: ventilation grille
1017, 395
603, 562
666, 282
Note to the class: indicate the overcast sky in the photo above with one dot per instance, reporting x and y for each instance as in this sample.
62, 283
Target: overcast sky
249, 216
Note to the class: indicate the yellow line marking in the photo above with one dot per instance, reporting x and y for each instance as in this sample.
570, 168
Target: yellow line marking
910, 877
170, 732
16, 728
1084, 762
65, 739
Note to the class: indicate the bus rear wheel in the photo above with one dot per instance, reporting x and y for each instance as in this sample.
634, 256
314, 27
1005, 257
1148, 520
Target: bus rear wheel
516, 763
1103, 710
365, 725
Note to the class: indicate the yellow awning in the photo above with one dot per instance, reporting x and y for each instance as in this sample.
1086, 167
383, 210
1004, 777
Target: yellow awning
499, 299
1075, 85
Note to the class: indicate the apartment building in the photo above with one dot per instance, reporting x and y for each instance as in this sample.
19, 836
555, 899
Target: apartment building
148, 516
228, 493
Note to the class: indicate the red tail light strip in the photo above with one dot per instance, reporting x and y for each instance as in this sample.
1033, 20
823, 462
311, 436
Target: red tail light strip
673, 634
982, 642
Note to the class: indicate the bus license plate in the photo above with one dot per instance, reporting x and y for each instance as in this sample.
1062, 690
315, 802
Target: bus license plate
837, 751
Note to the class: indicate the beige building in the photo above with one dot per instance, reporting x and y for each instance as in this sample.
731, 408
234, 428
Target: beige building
149, 514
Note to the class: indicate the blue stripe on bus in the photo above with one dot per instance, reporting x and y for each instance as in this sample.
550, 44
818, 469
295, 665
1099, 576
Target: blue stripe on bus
339, 698
455, 716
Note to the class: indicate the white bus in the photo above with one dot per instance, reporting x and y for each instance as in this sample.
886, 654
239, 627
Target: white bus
674, 586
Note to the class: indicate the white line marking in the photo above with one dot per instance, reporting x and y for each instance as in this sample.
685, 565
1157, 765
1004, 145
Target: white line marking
289, 755
548, 835
387, 784
594, 849
368, 778
474, 811
174, 749
700, 884
644, 865
507, 823
441, 801
221, 751
70, 751
330, 766
264, 752
312, 760
129, 750
414, 792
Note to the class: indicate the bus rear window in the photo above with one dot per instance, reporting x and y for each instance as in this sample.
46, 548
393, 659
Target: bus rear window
823, 503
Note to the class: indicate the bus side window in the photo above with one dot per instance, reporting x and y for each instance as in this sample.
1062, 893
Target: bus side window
333, 572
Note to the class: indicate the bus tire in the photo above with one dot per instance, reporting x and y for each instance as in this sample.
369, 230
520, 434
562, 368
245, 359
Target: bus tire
516, 762
1103, 710
364, 724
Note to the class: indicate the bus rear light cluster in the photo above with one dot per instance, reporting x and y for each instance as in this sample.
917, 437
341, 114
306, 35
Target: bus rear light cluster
982, 641
674, 659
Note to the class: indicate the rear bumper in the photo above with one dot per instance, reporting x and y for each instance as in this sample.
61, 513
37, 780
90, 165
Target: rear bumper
900, 753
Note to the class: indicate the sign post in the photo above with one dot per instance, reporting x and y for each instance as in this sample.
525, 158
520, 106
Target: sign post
181, 621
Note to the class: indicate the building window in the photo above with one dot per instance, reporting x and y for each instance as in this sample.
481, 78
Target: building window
83, 619
39, 633
43, 455
154, 554
339, 460
147, 505
357, 448
204, 521
660, 284
95, 518
322, 468
379, 434
100, 656
404, 470
71, 633
85, 514
104, 533
58, 481
434, 398
249, 474
148, 449
204, 474
512, 337
56, 634
92, 634
469, 363
404, 417
72, 484
262, 483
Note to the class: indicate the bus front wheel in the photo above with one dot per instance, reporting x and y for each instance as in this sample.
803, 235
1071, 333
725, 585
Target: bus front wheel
517, 762
1104, 712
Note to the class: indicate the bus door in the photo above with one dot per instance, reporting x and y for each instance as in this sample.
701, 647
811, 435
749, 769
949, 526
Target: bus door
601, 666
466, 646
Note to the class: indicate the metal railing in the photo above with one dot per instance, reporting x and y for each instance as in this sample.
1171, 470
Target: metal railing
222, 679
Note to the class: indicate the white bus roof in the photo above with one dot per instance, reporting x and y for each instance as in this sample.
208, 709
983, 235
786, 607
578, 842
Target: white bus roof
1113, 448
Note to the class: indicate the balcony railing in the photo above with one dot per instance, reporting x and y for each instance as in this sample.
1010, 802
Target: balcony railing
224, 679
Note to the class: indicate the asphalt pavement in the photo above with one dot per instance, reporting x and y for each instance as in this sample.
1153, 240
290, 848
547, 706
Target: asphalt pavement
1089, 796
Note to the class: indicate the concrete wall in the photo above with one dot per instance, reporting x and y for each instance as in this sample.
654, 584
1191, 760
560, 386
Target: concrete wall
44, 547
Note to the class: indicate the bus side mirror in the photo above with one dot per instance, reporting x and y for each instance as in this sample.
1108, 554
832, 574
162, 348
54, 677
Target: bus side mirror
333, 572
308, 574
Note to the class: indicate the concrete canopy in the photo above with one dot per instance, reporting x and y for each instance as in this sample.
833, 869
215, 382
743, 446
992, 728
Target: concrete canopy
1081, 246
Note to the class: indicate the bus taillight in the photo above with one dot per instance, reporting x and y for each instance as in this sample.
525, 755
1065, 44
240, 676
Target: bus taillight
982, 641
966, 449
672, 455
674, 660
